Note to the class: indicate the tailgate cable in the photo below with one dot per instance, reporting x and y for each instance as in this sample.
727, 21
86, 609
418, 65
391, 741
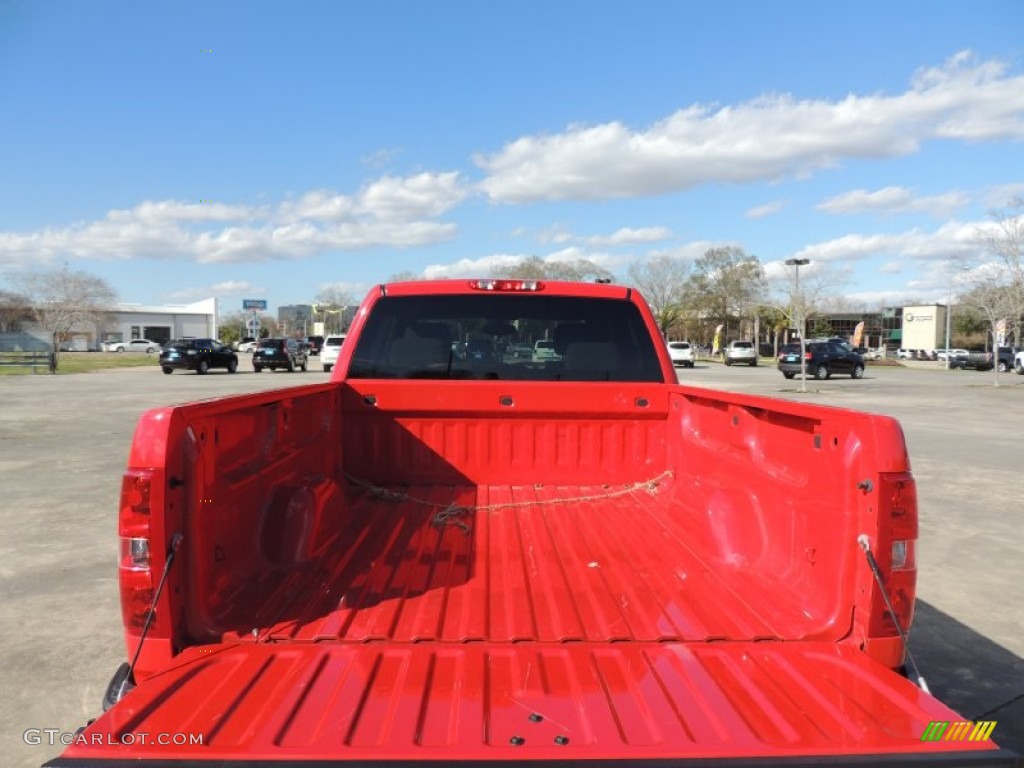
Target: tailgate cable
912, 671
123, 680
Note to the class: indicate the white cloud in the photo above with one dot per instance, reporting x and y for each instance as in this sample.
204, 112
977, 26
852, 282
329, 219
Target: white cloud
953, 240
767, 138
226, 288
891, 268
890, 200
390, 212
482, 267
1000, 196
628, 236
689, 251
760, 211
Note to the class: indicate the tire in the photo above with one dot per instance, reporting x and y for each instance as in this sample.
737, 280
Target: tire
821, 372
291, 367
728, 361
788, 375
303, 367
119, 349
150, 351
327, 368
257, 368
1019, 367
167, 370
202, 368
857, 372
232, 366
753, 363
1003, 367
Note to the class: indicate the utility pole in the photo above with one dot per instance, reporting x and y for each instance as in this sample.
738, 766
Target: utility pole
801, 325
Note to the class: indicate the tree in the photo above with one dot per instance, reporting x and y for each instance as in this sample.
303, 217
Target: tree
405, 276
727, 284
536, 268
232, 326
996, 285
662, 280
334, 307
62, 300
14, 310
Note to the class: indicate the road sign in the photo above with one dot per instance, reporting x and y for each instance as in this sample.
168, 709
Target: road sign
260, 304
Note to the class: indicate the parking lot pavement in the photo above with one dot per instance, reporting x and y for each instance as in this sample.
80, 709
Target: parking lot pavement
64, 442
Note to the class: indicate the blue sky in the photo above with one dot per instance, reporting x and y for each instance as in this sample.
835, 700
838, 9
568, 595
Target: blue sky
269, 149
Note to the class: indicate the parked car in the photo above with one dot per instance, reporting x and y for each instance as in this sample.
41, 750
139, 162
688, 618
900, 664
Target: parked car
821, 360
248, 346
942, 354
544, 350
682, 353
280, 353
135, 345
740, 352
983, 361
316, 343
199, 355
330, 351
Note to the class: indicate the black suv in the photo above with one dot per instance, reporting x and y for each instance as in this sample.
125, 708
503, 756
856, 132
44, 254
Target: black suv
280, 353
199, 355
316, 343
823, 358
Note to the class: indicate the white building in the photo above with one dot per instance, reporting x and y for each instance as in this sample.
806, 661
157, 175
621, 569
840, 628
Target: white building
924, 327
161, 323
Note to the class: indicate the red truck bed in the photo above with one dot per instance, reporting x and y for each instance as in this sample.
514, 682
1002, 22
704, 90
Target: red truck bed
665, 612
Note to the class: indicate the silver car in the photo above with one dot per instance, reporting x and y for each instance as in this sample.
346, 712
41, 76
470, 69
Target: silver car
741, 352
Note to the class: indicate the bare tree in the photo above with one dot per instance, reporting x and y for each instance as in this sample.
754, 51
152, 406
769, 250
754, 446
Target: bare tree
536, 268
62, 300
995, 287
799, 295
662, 280
14, 310
405, 276
332, 306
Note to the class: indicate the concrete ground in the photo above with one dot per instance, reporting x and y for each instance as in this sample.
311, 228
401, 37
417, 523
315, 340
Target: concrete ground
64, 442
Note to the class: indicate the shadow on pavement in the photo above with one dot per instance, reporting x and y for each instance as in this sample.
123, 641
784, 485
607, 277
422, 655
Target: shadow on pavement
976, 677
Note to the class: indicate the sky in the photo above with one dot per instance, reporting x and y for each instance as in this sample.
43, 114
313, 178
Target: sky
270, 150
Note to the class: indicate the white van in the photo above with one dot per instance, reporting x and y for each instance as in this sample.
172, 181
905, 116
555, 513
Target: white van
329, 351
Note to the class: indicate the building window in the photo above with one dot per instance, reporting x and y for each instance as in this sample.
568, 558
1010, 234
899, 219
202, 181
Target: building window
135, 332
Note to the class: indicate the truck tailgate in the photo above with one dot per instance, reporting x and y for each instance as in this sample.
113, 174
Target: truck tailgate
747, 703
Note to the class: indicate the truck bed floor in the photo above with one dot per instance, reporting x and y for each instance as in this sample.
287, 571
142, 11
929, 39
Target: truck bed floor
548, 564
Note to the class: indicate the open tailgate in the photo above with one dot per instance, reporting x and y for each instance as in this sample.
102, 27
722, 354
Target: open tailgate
675, 704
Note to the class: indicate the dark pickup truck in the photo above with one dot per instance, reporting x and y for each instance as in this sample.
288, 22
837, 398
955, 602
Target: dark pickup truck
983, 361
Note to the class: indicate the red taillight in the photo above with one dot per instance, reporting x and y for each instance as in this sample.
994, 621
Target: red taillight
134, 565
507, 285
895, 552
807, 355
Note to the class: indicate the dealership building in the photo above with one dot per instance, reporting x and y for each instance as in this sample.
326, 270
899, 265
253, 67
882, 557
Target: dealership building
157, 323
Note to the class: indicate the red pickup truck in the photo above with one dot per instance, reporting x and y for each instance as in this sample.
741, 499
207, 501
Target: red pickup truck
508, 559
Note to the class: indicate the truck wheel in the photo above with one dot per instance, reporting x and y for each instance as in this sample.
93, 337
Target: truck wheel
1020, 368
327, 368
168, 370
858, 372
728, 361
753, 363
291, 368
1003, 367
232, 366
821, 372
257, 368
788, 375
202, 368
303, 367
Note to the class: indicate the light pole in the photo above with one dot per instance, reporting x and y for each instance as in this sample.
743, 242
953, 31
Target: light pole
949, 313
796, 264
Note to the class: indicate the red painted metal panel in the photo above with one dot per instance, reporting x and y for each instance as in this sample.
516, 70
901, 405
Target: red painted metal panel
528, 700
